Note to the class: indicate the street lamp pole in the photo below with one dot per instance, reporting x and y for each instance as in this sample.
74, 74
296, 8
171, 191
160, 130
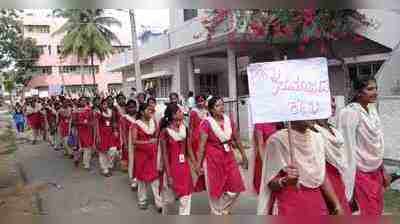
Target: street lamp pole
135, 52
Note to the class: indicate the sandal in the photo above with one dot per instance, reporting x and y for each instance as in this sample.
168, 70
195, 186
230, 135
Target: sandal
143, 206
107, 174
159, 210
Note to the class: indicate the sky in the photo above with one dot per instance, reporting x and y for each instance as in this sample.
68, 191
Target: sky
152, 17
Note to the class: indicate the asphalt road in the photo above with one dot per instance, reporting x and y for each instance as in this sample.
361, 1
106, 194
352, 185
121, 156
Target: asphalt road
76, 195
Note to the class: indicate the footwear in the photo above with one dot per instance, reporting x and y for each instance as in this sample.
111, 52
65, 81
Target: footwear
225, 212
76, 163
143, 206
134, 186
394, 177
159, 210
107, 174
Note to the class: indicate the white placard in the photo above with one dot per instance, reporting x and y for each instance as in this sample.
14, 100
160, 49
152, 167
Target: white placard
289, 90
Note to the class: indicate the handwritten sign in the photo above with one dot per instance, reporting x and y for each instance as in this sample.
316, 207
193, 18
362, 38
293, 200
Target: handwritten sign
289, 90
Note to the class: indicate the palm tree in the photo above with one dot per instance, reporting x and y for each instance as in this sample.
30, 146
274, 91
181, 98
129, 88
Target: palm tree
87, 34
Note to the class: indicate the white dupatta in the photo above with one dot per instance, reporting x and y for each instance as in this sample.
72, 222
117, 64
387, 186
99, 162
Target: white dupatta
148, 129
309, 159
363, 138
131, 154
202, 114
223, 135
177, 135
334, 148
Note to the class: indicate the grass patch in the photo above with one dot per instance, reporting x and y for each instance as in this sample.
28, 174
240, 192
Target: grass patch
8, 141
392, 202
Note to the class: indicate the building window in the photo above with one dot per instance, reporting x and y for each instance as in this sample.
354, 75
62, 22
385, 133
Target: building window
79, 89
59, 49
160, 88
189, 14
209, 82
37, 28
42, 70
364, 70
41, 49
119, 49
114, 88
86, 69
165, 88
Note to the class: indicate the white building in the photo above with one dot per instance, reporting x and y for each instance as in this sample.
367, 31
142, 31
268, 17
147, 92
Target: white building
183, 60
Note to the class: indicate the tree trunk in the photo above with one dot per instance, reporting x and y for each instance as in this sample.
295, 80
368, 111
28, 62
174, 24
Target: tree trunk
93, 73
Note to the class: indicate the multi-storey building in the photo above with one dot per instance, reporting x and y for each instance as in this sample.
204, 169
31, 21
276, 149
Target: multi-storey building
54, 71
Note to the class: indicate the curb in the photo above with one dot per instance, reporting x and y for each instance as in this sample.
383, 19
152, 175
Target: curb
37, 200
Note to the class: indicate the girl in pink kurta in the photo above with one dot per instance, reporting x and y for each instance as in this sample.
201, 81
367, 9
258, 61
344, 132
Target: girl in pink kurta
174, 145
84, 120
223, 179
144, 139
359, 122
262, 132
298, 189
51, 120
336, 157
128, 123
106, 133
64, 127
197, 115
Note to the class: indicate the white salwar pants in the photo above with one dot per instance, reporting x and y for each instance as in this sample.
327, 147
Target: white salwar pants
67, 148
185, 204
222, 205
105, 163
87, 157
142, 192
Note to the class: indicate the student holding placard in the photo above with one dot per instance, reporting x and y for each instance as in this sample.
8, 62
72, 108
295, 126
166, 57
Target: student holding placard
262, 132
363, 137
336, 157
223, 179
296, 185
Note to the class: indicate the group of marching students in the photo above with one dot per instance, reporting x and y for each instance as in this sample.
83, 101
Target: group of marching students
320, 169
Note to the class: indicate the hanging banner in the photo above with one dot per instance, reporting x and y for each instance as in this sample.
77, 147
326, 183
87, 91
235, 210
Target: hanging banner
289, 90
55, 90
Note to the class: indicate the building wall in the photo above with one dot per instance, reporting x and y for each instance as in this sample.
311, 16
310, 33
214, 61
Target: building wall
389, 103
389, 111
54, 60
